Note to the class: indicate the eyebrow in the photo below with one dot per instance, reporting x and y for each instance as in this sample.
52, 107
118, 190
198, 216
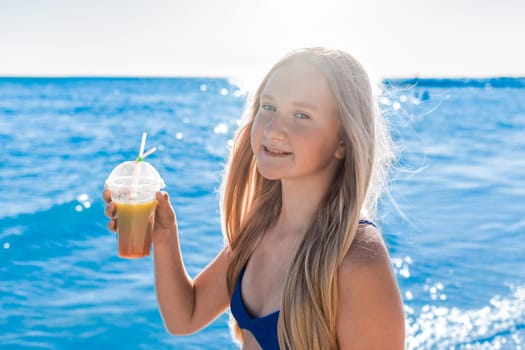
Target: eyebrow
299, 104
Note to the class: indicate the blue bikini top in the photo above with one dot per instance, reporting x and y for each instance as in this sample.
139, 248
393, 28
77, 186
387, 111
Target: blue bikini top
264, 328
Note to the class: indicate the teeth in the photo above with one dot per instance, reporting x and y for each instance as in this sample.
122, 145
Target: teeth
274, 151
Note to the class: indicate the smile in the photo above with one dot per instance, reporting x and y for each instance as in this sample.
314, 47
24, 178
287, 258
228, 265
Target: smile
275, 152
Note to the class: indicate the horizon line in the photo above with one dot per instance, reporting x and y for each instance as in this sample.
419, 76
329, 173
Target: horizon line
226, 76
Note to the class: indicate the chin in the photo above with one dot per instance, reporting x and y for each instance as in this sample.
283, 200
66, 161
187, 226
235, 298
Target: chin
269, 175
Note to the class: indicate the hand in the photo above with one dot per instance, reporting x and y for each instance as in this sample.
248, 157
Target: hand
165, 218
110, 211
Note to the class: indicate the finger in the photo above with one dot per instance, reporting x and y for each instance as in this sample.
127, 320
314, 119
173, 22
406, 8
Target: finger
106, 195
163, 199
112, 225
110, 211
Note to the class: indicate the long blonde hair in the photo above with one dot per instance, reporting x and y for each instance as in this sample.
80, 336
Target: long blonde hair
251, 204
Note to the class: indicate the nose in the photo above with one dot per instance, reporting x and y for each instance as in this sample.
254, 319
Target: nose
275, 128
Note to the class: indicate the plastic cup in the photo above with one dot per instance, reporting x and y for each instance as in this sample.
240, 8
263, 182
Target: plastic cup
133, 186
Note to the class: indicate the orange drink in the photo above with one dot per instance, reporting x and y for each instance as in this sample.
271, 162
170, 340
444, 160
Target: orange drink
133, 185
135, 224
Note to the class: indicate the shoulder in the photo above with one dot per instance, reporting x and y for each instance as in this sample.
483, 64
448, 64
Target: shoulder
367, 262
368, 247
370, 310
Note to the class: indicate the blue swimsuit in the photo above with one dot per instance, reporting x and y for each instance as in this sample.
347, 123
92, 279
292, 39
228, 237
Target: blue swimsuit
263, 328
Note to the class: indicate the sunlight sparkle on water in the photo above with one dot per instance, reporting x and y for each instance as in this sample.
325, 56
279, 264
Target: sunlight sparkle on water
84, 200
221, 129
386, 101
401, 266
82, 197
484, 328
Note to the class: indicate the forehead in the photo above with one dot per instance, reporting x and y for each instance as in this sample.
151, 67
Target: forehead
301, 81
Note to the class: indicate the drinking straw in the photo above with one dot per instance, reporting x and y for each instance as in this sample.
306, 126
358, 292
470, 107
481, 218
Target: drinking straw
142, 144
136, 169
150, 151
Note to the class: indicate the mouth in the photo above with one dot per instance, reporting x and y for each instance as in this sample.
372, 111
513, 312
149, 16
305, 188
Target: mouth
275, 152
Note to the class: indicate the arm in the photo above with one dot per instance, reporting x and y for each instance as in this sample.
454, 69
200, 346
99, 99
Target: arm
370, 311
186, 305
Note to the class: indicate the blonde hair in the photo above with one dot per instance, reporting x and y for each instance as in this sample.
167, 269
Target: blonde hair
251, 204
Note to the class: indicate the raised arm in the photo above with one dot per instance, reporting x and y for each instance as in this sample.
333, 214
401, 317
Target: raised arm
186, 305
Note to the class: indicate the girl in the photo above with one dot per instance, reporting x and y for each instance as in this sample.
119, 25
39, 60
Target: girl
302, 267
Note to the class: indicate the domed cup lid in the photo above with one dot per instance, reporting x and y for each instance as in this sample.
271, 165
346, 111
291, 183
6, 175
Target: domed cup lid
134, 181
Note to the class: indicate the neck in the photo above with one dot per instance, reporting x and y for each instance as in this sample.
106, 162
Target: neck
300, 201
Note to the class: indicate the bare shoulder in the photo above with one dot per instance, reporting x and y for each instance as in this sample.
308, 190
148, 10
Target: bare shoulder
370, 310
367, 262
368, 247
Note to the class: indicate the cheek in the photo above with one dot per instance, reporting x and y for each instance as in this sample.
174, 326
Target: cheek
327, 148
255, 134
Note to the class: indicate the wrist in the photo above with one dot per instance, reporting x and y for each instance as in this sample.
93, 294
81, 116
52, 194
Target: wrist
165, 235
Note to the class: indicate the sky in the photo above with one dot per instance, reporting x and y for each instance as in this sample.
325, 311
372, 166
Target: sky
236, 38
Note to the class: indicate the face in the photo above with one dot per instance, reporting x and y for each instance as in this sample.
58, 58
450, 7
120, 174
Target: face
296, 133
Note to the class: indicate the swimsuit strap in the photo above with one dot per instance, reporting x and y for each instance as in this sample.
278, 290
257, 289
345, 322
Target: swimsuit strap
264, 328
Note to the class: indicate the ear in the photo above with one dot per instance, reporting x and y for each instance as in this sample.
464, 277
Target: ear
340, 151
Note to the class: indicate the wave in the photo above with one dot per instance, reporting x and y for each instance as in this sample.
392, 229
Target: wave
499, 325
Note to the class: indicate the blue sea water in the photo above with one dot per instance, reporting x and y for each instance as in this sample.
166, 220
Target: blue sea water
453, 219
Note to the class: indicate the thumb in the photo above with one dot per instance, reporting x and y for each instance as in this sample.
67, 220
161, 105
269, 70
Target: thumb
165, 213
163, 199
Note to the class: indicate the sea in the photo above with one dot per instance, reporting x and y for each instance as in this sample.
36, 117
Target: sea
453, 217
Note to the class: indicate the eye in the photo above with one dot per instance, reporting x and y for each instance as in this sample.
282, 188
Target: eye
302, 115
268, 108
